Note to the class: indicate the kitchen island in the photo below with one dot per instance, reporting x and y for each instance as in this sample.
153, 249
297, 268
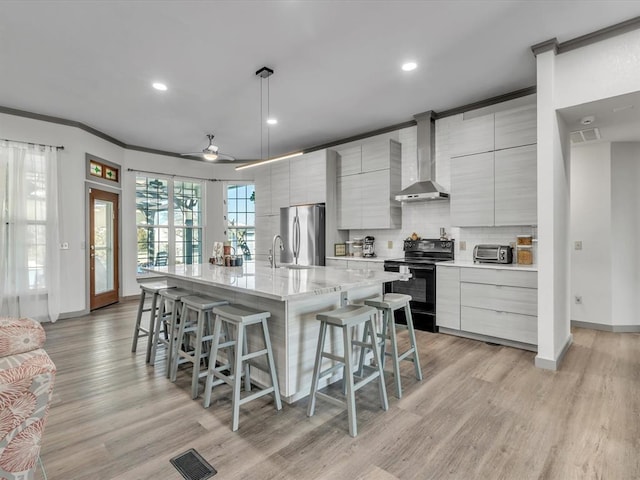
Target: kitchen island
293, 295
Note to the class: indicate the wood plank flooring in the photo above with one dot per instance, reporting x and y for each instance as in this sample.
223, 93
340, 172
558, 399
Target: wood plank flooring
481, 412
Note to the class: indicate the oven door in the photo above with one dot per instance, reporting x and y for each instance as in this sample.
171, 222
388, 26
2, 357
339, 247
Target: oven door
422, 288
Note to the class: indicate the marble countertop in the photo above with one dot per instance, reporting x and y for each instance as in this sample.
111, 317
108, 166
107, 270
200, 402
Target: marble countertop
492, 266
280, 283
360, 259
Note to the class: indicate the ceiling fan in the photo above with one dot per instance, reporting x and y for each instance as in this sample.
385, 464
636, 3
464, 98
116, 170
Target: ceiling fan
210, 152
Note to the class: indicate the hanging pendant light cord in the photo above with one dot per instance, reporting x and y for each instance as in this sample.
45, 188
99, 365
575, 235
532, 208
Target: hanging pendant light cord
261, 123
268, 116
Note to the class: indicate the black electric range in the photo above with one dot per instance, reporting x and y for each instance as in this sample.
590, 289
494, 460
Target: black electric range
420, 259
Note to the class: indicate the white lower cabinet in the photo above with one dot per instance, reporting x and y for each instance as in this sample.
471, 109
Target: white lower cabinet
330, 262
448, 297
355, 264
492, 302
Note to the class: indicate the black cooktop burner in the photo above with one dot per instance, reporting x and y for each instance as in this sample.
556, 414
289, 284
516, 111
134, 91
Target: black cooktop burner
418, 260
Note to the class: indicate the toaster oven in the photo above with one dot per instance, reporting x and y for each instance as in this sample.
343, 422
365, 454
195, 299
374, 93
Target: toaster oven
492, 254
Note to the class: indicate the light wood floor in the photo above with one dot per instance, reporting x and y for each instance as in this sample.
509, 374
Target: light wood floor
481, 412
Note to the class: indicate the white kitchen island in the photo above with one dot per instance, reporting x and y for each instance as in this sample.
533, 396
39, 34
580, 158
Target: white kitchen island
293, 296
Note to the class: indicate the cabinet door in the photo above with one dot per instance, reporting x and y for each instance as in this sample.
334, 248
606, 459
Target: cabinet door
516, 186
330, 262
266, 227
448, 297
516, 127
263, 190
375, 197
308, 178
472, 190
376, 155
349, 202
364, 265
279, 186
475, 135
511, 326
350, 161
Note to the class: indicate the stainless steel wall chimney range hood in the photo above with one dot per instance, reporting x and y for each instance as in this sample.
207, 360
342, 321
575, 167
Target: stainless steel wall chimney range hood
425, 188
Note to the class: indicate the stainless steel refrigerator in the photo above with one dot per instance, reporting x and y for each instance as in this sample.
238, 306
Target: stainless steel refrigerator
302, 232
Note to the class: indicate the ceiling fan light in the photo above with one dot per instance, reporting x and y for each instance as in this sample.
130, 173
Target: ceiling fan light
210, 155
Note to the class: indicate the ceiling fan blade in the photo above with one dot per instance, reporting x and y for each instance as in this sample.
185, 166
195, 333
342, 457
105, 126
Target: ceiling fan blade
224, 156
192, 154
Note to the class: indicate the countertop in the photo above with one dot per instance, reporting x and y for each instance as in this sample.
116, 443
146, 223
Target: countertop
492, 266
280, 283
359, 259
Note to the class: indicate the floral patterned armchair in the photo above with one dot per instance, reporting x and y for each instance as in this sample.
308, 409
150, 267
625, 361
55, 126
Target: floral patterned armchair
26, 384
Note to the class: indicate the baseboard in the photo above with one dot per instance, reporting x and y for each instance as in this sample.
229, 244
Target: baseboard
487, 338
553, 364
79, 313
606, 328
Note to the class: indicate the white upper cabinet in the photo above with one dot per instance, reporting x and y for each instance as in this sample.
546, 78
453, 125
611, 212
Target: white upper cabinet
516, 127
472, 190
516, 186
474, 135
279, 186
308, 178
263, 190
366, 193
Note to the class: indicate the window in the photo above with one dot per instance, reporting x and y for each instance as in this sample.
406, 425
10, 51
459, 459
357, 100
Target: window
169, 221
36, 221
241, 218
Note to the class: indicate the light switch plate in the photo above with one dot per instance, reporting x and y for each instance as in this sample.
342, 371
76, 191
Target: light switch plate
463, 245
390, 244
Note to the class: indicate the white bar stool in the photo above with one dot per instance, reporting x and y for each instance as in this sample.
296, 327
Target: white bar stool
241, 317
345, 318
166, 321
147, 288
198, 327
388, 304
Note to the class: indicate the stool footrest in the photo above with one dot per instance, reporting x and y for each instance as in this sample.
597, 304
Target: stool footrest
256, 394
329, 370
364, 381
331, 356
406, 354
330, 399
255, 354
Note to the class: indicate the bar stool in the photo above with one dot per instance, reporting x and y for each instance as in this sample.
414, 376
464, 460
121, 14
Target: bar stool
388, 304
200, 328
166, 320
241, 317
151, 288
345, 318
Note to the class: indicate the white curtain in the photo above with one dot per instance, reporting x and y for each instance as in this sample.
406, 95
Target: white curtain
29, 254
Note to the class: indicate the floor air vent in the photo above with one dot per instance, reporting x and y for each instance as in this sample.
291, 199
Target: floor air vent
192, 466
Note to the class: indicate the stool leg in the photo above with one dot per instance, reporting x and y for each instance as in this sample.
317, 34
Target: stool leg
412, 339
156, 331
217, 323
152, 321
237, 378
195, 375
376, 358
173, 331
391, 325
383, 335
316, 369
178, 339
350, 399
272, 365
365, 334
136, 332
247, 372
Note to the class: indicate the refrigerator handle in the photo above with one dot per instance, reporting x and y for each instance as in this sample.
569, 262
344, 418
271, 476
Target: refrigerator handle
296, 238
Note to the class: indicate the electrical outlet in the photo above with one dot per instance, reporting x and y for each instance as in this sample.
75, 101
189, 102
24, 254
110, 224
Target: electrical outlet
64, 246
463, 245
390, 244
578, 299
577, 245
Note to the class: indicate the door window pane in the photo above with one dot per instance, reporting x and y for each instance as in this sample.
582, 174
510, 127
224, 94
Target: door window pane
241, 218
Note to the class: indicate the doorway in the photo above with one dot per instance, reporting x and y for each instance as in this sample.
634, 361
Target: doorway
103, 248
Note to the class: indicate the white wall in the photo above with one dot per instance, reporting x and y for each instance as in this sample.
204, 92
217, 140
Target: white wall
72, 202
625, 230
591, 224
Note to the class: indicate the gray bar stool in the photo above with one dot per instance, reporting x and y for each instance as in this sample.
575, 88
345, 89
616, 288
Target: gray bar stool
241, 317
147, 288
345, 318
199, 328
166, 321
388, 304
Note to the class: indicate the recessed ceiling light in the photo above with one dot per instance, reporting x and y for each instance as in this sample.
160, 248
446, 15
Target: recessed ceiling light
588, 120
407, 67
272, 121
160, 86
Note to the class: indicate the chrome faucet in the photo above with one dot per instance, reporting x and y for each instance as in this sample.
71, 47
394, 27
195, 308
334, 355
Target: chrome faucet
272, 252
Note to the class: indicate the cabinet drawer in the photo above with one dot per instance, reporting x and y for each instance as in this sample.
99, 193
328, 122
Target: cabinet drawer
500, 297
511, 326
513, 278
358, 265
330, 262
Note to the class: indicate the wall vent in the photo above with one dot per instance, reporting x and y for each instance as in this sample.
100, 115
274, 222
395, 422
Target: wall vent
587, 135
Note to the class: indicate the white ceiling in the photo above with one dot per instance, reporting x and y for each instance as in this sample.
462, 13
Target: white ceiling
337, 64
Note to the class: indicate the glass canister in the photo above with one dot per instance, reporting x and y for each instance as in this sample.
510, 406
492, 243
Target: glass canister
525, 254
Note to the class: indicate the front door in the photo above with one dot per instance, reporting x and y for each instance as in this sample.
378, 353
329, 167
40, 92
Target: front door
103, 248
